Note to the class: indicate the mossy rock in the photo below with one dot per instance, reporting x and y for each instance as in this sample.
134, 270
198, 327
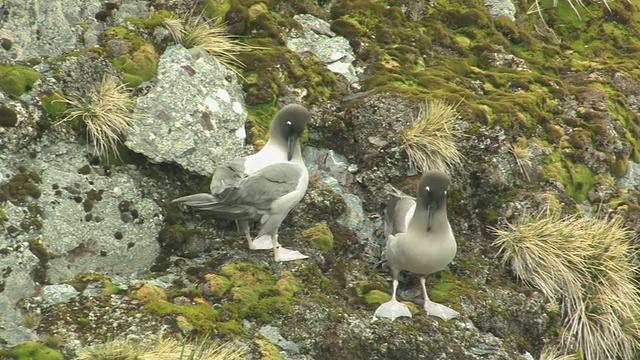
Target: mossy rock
20, 188
216, 9
320, 236
151, 293
218, 284
33, 350
138, 67
376, 297
577, 178
53, 104
8, 117
16, 80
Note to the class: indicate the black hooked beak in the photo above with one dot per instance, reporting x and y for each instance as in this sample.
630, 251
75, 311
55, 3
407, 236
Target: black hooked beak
291, 143
431, 208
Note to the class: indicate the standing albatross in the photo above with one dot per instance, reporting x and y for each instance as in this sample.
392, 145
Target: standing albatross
419, 240
264, 186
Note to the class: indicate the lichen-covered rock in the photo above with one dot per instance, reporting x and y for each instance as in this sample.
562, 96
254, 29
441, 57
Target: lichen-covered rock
78, 217
198, 129
501, 8
316, 36
46, 29
17, 264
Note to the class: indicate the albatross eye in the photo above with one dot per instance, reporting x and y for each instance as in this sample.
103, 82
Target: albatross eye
289, 123
427, 188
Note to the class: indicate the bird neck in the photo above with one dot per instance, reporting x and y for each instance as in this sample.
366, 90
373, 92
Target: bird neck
277, 149
420, 220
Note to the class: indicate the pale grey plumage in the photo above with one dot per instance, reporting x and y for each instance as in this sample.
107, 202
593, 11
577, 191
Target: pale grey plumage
419, 240
262, 187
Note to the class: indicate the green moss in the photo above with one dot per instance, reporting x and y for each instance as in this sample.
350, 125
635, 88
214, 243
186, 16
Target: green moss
218, 284
52, 104
441, 291
8, 117
575, 177
216, 9
33, 350
138, 67
268, 350
6, 44
16, 80
155, 18
202, 316
375, 297
3, 217
80, 282
19, 189
620, 166
230, 329
320, 236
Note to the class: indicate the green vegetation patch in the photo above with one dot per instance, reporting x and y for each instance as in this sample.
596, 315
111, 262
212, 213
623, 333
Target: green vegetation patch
245, 291
16, 80
139, 66
33, 350
320, 236
577, 178
21, 188
53, 104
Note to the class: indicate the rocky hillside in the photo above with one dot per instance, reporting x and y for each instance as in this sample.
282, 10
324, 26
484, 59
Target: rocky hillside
547, 102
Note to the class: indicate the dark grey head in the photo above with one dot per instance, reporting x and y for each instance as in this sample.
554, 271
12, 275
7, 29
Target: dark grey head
288, 125
432, 192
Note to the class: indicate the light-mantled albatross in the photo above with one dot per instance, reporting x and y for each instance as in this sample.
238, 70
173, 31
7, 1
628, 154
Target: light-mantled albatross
419, 240
264, 186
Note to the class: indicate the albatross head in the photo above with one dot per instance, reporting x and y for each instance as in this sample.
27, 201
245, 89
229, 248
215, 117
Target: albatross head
432, 193
288, 125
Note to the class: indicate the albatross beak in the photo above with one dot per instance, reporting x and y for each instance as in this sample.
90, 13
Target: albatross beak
431, 208
291, 143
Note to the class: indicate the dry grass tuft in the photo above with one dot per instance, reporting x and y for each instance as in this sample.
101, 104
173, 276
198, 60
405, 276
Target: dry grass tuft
586, 265
30, 319
209, 35
107, 113
520, 151
430, 141
165, 349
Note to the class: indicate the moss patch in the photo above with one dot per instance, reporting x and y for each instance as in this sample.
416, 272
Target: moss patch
16, 80
575, 177
20, 188
319, 236
33, 350
52, 104
8, 117
141, 65
376, 297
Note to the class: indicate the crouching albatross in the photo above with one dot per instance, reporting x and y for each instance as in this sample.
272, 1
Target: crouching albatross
264, 186
419, 240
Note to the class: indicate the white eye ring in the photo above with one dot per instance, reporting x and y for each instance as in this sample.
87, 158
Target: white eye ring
289, 123
427, 188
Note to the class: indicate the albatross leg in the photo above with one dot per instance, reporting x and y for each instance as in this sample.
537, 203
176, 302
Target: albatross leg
393, 308
263, 242
435, 309
281, 254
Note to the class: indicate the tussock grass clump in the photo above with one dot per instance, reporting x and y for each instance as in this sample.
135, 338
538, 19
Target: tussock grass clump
520, 151
107, 113
165, 349
209, 35
586, 265
430, 141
